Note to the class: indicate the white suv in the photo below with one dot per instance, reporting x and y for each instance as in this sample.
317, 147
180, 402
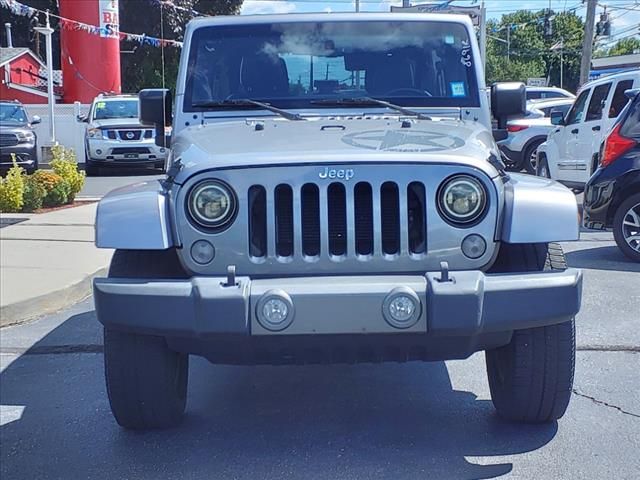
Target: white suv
570, 153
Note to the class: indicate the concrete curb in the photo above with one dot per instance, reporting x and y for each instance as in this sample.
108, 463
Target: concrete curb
26, 310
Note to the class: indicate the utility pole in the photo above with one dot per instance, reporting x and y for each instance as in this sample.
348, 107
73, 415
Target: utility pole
47, 31
406, 3
483, 35
508, 42
587, 47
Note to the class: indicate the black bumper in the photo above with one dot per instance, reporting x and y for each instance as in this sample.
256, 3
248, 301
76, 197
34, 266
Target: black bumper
26, 156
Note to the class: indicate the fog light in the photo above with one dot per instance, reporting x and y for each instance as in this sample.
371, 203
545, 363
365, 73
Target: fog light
474, 246
162, 150
402, 308
99, 152
275, 310
202, 252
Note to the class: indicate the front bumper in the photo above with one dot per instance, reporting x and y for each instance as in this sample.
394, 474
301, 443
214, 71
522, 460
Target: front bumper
121, 152
26, 155
471, 304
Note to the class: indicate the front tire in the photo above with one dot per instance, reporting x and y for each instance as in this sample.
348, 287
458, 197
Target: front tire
531, 378
542, 169
91, 169
626, 227
146, 381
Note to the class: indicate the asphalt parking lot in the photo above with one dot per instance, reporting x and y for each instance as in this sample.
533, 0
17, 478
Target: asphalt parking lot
409, 421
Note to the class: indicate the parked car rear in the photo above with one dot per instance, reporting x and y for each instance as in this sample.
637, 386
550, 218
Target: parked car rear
527, 133
612, 195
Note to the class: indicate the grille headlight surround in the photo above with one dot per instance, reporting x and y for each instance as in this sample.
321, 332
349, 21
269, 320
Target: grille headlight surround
212, 204
462, 200
96, 133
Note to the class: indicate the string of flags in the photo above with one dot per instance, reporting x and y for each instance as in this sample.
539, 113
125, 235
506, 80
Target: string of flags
23, 10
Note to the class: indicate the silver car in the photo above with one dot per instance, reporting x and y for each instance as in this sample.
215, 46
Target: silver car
527, 133
114, 136
361, 214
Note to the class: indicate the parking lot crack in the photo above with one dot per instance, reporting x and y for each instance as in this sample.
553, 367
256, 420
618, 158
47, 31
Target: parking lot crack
605, 404
608, 348
54, 349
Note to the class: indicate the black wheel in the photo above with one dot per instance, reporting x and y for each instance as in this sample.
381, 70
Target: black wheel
531, 378
626, 227
542, 168
530, 159
146, 381
91, 169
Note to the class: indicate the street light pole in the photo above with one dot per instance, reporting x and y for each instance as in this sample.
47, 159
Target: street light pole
47, 31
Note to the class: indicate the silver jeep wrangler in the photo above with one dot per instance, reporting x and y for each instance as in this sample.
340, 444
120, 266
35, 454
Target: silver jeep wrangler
335, 194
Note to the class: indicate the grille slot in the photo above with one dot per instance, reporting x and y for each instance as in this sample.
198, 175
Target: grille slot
257, 199
417, 218
337, 218
390, 213
283, 201
363, 212
310, 200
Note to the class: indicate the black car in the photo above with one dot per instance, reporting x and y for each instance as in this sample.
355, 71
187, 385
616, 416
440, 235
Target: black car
612, 195
17, 137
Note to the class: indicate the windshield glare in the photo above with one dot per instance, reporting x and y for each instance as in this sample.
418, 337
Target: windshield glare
292, 65
13, 114
104, 110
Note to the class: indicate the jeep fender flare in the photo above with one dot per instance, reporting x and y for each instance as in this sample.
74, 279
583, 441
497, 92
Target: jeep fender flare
538, 210
134, 217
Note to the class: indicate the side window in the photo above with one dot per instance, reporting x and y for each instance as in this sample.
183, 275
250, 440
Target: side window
619, 99
533, 95
596, 104
552, 94
577, 111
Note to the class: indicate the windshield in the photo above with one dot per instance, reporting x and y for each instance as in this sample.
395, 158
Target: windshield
10, 113
104, 110
293, 65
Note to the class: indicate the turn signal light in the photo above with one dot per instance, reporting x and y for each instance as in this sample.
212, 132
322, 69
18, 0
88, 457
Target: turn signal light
516, 128
615, 146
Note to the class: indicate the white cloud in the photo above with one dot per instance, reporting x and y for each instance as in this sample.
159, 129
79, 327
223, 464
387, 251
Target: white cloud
265, 7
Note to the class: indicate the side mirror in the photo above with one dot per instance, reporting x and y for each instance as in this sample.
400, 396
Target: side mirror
36, 120
557, 117
82, 118
156, 110
507, 99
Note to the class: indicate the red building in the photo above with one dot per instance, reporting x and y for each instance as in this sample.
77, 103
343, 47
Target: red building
21, 76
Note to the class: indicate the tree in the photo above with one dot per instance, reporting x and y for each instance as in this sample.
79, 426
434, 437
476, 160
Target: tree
518, 47
626, 46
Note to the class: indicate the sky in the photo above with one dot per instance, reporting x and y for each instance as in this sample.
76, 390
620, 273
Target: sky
624, 14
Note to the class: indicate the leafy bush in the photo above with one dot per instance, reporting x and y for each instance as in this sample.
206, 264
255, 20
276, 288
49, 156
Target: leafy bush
56, 188
34, 194
12, 189
64, 164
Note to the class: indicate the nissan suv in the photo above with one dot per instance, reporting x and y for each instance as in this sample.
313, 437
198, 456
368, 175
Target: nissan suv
114, 136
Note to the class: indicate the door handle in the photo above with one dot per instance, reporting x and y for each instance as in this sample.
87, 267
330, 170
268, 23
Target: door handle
574, 131
596, 128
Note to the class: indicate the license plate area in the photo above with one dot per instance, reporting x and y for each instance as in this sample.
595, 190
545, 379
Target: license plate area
131, 155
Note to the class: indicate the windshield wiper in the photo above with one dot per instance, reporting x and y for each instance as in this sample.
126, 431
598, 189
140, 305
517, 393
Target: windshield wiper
246, 102
367, 101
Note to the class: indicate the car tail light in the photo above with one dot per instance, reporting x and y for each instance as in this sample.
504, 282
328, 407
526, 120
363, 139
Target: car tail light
615, 146
516, 128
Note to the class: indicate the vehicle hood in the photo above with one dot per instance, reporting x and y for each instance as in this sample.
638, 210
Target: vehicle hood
116, 122
336, 140
8, 127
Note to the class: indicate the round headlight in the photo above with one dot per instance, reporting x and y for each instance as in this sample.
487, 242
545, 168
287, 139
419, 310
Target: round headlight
462, 199
212, 204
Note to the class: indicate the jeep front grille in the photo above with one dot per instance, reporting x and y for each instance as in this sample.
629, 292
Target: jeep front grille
364, 220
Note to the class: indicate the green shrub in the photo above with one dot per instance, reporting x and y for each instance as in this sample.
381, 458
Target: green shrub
34, 194
12, 189
55, 187
64, 164
58, 195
